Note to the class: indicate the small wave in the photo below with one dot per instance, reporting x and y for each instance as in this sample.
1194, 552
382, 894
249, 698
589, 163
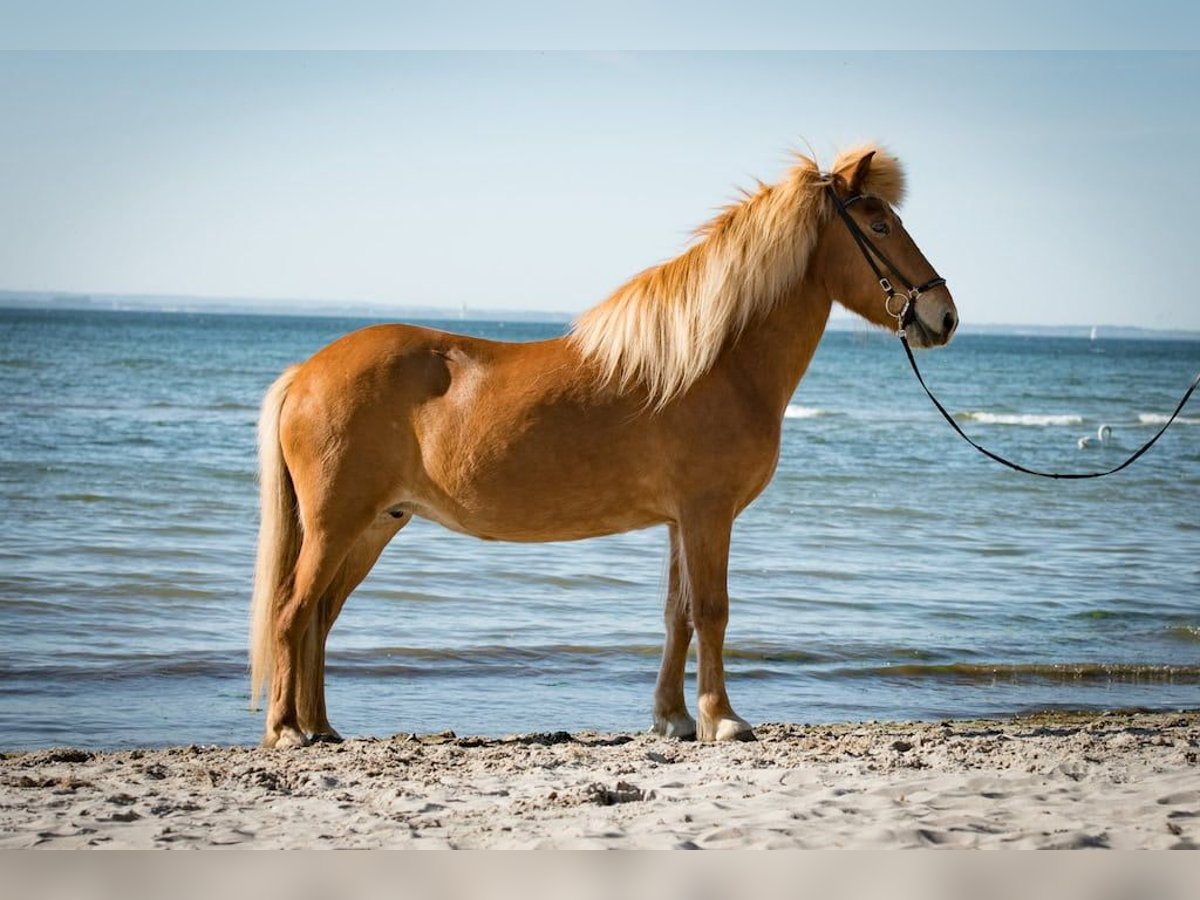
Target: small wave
1159, 419
1029, 419
99, 666
795, 411
773, 654
486, 654
215, 406
1028, 672
1099, 614
233, 406
1186, 632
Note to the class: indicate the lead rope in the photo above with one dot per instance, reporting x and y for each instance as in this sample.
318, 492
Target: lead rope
1065, 476
905, 316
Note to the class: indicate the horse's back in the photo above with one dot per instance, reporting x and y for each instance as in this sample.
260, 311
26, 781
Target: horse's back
394, 364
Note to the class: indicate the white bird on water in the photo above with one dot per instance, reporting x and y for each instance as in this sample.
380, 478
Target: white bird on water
1103, 436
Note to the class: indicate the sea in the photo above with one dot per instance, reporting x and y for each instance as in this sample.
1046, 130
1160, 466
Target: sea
888, 572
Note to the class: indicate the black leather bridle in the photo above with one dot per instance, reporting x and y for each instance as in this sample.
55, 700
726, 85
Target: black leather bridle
906, 311
903, 308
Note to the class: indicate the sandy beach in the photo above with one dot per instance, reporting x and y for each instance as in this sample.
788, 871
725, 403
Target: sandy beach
1119, 780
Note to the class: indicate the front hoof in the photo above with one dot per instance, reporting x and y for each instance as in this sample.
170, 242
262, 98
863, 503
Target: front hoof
680, 726
728, 729
735, 730
285, 738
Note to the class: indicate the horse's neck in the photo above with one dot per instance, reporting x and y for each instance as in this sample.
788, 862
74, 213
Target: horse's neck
772, 354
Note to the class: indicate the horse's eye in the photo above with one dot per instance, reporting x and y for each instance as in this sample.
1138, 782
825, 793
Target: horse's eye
880, 228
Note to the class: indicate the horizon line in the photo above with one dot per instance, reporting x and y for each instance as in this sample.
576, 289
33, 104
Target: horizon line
105, 301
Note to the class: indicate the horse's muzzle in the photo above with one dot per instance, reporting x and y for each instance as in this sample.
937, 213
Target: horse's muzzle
934, 322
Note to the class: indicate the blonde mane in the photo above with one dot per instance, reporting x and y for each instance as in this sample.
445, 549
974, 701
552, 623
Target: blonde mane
665, 328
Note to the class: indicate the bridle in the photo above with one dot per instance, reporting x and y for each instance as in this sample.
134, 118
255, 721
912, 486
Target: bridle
906, 311
903, 308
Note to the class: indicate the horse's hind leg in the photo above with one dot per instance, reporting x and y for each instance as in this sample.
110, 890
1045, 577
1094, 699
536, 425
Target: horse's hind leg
321, 555
671, 718
310, 699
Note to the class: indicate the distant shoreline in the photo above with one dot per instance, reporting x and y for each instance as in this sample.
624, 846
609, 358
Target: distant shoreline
191, 305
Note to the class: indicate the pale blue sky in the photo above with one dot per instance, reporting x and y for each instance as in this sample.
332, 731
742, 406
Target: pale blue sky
1047, 187
630, 24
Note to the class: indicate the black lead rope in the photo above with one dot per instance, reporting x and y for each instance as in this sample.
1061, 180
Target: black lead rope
908, 312
1071, 476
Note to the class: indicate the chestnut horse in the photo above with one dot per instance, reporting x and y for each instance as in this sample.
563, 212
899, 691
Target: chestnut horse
664, 405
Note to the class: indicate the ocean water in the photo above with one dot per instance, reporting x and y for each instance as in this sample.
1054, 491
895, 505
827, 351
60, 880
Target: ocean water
888, 571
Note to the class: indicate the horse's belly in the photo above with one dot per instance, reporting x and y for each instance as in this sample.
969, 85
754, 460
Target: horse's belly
534, 524
538, 477
543, 499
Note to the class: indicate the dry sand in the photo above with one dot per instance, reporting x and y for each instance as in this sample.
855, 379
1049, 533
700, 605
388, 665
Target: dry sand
1062, 780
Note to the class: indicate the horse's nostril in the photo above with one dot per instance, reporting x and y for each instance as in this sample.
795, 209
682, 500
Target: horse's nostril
948, 323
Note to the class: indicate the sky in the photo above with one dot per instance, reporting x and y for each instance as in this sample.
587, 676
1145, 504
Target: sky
1048, 187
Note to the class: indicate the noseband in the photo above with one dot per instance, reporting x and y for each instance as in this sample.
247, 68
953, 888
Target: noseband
905, 313
900, 306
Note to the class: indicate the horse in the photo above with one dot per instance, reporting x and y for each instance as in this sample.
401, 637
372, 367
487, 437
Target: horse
662, 405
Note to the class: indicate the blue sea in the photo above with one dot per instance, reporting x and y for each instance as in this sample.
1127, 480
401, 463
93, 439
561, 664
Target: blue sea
888, 572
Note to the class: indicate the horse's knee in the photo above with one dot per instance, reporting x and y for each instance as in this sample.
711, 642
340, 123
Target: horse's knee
708, 618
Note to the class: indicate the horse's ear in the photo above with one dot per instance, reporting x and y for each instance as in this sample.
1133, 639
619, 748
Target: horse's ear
840, 186
869, 170
858, 180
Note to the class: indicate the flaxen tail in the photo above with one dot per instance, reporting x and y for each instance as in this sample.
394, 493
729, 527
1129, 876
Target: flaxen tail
279, 536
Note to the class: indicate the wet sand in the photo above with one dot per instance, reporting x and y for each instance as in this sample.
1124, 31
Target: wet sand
1120, 780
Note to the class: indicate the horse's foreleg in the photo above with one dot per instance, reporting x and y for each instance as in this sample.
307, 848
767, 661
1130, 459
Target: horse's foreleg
704, 539
313, 716
671, 718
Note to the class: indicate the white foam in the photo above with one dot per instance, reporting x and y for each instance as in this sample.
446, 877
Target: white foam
1034, 419
794, 411
1159, 419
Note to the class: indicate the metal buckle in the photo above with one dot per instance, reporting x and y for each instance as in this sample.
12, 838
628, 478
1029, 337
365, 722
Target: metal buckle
887, 287
914, 294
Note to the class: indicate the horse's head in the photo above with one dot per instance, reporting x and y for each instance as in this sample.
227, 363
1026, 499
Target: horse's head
872, 265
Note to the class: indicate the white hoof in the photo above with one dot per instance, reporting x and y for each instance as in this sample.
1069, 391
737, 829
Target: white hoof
728, 729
